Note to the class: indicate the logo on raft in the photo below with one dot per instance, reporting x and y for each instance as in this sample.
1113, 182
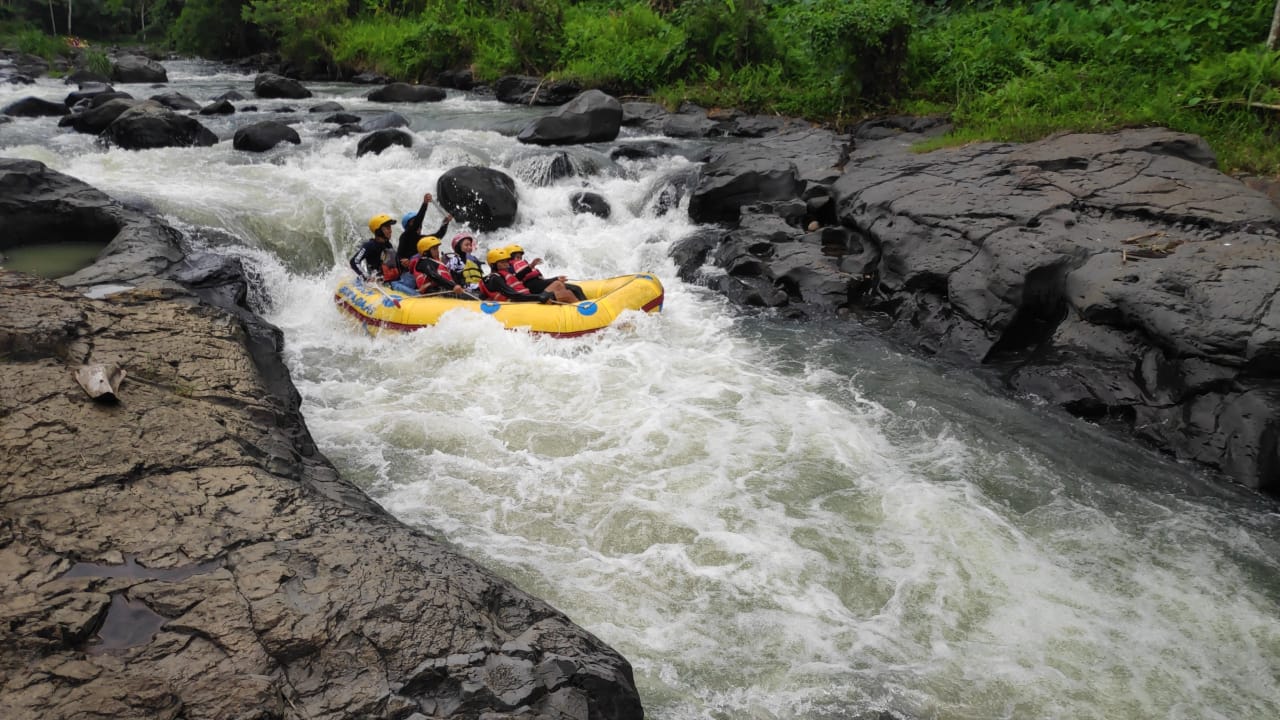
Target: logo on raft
358, 300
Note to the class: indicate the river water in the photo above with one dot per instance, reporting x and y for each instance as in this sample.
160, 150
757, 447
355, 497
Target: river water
768, 519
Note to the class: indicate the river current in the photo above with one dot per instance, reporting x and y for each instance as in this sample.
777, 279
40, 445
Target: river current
769, 519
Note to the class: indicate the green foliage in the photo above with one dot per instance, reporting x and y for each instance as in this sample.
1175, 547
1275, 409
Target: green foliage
864, 43
1248, 75
1002, 69
761, 88
1017, 71
96, 61
36, 42
305, 30
407, 48
631, 48
534, 33
724, 33
212, 29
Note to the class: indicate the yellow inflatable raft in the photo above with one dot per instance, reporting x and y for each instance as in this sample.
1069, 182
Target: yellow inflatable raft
379, 306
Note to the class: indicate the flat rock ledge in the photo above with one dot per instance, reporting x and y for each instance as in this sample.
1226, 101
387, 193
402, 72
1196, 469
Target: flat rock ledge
179, 554
1118, 276
185, 552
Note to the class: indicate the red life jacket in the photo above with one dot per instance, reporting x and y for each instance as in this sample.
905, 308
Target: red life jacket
523, 270
512, 281
423, 281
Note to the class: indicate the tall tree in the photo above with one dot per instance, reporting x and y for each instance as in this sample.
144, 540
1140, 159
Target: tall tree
1273, 40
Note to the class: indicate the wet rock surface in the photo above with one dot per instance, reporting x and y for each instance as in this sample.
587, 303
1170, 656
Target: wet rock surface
1119, 276
186, 552
590, 117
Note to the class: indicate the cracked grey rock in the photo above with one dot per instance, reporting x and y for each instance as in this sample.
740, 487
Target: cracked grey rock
283, 591
1119, 276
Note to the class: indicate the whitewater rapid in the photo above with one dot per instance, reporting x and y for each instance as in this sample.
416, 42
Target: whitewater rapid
769, 519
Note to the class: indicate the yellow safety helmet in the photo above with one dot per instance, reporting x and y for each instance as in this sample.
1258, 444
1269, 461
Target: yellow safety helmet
377, 221
497, 255
427, 243
513, 249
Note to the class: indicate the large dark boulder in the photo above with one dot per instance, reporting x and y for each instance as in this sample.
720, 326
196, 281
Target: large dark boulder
34, 107
99, 100
87, 91
687, 125
379, 140
152, 125
525, 90
343, 118
384, 121
779, 167
741, 175
81, 76
138, 69
271, 85
176, 101
218, 107
543, 167
645, 115
461, 79
40, 205
95, 120
28, 66
589, 202
404, 92
483, 198
262, 136
642, 150
591, 117
327, 107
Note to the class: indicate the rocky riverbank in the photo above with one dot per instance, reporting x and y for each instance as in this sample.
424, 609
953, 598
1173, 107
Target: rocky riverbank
185, 552
1118, 276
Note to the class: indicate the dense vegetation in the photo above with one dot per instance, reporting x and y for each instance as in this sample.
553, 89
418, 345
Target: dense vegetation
1003, 69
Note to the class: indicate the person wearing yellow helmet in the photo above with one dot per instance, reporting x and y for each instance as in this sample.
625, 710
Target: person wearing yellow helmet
502, 284
411, 231
375, 259
532, 277
429, 273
